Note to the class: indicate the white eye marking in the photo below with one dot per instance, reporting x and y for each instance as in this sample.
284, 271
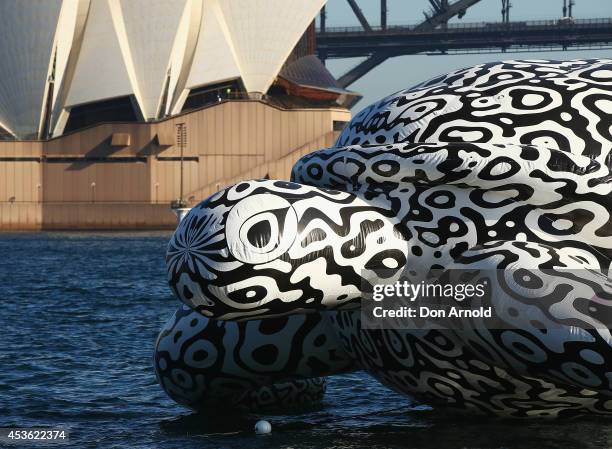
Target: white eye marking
562, 224
532, 99
260, 228
390, 262
430, 237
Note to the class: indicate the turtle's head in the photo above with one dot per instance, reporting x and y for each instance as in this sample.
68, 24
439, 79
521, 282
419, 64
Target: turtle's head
263, 248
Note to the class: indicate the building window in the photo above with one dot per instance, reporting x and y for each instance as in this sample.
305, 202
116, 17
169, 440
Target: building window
119, 109
213, 93
339, 125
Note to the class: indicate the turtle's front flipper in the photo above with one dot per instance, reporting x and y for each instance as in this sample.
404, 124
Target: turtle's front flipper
272, 363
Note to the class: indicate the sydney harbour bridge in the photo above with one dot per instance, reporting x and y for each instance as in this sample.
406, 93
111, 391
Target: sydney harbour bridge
434, 35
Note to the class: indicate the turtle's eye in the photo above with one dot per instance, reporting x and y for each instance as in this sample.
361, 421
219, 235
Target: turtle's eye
260, 228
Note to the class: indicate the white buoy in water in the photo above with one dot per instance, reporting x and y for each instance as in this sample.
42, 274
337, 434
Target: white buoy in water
263, 427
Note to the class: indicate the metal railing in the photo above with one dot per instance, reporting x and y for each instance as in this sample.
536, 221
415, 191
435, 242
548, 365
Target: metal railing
472, 26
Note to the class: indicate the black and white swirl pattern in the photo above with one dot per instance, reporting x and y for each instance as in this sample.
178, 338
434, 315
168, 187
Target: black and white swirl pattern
503, 166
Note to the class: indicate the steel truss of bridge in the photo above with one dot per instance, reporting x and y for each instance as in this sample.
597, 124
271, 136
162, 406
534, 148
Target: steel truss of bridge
381, 43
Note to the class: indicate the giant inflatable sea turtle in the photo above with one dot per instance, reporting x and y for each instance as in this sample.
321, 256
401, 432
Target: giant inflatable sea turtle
502, 167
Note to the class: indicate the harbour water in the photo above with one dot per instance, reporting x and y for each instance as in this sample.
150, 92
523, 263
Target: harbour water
79, 314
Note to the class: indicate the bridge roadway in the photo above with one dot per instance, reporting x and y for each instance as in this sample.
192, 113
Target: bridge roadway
391, 41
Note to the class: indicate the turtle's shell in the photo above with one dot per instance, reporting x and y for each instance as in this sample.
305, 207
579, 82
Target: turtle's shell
560, 105
501, 169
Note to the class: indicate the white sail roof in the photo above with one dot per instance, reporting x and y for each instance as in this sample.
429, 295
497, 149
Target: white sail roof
214, 59
27, 31
101, 71
151, 36
263, 33
153, 50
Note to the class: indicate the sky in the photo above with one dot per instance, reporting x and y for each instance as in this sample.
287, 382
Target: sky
405, 71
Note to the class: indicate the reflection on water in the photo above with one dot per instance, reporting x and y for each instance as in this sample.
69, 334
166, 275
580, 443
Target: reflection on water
80, 313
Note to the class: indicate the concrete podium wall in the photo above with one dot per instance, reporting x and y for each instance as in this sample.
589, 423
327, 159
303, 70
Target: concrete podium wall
81, 181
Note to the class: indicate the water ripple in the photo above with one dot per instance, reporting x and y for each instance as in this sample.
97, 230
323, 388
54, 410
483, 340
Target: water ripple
80, 313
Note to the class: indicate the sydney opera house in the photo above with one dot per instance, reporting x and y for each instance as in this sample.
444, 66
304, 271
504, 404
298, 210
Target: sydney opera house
112, 110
